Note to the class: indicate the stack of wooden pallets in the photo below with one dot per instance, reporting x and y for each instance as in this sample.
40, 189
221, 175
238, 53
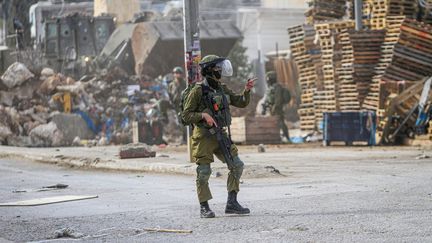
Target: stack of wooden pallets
372, 101
325, 10
408, 8
430, 130
347, 95
382, 9
412, 57
345, 70
325, 98
307, 75
367, 52
314, 50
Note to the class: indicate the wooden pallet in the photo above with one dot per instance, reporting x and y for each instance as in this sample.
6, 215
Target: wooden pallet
412, 54
325, 10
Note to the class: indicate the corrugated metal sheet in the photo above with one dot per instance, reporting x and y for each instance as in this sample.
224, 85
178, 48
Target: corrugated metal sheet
121, 34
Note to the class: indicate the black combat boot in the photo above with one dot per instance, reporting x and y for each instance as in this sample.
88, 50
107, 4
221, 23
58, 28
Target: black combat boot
233, 207
206, 212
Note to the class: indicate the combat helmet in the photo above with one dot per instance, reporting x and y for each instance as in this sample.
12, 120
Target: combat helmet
271, 77
211, 61
178, 70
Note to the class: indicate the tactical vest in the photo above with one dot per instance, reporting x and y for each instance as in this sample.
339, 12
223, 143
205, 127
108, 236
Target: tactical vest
220, 103
210, 96
270, 96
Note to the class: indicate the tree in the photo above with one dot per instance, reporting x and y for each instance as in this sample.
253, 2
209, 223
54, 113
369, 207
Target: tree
242, 71
241, 66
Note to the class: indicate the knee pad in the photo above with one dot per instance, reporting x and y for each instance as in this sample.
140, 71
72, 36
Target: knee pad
238, 164
203, 172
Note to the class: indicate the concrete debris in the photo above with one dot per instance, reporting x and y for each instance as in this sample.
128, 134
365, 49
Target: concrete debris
23, 141
6, 98
67, 233
54, 109
43, 189
261, 148
51, 83
57, 186
71, 126
76, 141
46, 72
423, 156
47, 135
16, 75
163, 156
272, 170
139, 150
5, 132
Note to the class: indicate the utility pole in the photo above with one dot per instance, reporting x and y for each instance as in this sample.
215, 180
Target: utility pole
192, 47
358, 14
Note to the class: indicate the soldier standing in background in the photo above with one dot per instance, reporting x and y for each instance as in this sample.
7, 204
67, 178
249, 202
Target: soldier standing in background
276, 97
175, 89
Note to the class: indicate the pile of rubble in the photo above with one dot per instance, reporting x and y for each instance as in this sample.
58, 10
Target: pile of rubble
41, 109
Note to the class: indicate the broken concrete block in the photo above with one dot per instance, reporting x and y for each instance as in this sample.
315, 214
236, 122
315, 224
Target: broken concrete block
29, 126
22, 141
67, 233
6, 98
71, 126
261, 148
47, 135
46, 72
136, 150
5, 132
16, 75
76, 141
50, 84
103, 141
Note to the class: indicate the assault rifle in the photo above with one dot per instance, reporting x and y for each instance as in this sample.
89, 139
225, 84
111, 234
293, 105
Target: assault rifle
224, 141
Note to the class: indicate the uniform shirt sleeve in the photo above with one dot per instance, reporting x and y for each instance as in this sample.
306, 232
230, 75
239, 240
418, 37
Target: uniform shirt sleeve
170, 90
190, 112
238, 100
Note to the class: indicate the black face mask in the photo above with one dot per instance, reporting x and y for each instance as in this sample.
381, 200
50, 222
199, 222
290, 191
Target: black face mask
217, 74
213, 83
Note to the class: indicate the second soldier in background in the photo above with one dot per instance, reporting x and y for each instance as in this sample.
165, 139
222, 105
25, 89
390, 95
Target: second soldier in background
276, 98
175, 89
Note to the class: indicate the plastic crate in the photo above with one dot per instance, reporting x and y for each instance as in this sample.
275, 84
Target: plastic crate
349, 127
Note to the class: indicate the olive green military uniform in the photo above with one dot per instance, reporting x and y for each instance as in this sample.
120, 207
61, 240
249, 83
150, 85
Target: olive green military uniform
275, 100
204, 145
175, 89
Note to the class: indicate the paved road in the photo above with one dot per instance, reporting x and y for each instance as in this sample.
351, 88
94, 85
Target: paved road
368, 201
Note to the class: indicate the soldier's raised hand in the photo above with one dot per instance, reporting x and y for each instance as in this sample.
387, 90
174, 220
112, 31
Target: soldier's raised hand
209, 120
250, 83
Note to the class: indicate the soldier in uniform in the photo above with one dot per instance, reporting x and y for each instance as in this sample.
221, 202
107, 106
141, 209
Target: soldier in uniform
275, 101
203, 144
175, 89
